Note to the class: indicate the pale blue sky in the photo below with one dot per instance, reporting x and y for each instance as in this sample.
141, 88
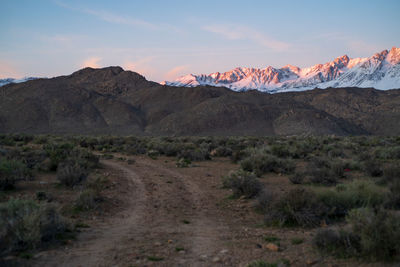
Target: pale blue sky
165, 39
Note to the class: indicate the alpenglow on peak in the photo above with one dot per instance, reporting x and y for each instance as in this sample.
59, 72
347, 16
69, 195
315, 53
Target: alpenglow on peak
381, 71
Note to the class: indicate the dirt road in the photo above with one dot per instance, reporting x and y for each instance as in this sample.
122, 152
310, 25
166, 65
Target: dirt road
169, 220
178, 217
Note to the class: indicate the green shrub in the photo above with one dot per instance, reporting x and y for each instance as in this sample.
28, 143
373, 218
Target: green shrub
373, 168
197, 154
297, 178
388, 152
264, 200
262, 263
337, 168
25, 224
84, 158
260, 162
296, 241
238, 155
87, 200
344, 197
322, 176
373, 235
243, 184
391, 173
320, 170
57, 153
393, 201
183, 163
280, 150
12, 171
340, 243
319, 162
379, 233
71, 173
153, 154
222, 151
299, 207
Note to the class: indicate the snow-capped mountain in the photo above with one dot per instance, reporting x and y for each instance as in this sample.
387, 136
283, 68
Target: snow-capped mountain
381, 71
12, 80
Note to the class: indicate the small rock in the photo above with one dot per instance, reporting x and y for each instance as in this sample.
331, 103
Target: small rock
216, 259
182, 252
203, 257
272, 247
224, 251
157, 244
9, 258
311, 262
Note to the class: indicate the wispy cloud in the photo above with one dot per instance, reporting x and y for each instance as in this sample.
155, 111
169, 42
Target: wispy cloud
352, 43
117, 18
64, 40
238, 32
175, 72
92, 62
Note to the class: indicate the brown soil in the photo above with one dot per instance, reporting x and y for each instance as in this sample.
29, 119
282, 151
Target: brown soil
173, 216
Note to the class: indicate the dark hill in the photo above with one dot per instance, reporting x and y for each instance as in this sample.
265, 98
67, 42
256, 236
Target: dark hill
114, 101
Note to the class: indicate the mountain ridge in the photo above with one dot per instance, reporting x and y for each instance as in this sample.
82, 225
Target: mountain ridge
6, 81
113, 101
380, 71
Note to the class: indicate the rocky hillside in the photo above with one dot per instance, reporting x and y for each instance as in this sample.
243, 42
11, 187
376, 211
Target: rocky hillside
114, 101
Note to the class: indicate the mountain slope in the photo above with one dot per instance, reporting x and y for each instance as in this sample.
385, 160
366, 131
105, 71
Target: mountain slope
381, 71
114, 101
12, 80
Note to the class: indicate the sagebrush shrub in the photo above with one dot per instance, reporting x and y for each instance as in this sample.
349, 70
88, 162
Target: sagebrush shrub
25, 224
373, 168
340, 243
297, 178
222, 151
322, 176
12, 171
87, 200
297, 207
243, 183
260, 162
197, 154
391, 173
71, 173
345, 197
373, 235
393, 200
379, 233
183, 163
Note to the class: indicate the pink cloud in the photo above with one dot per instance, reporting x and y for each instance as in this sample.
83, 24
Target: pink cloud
92, 62
7, 70
142, 66
175, 72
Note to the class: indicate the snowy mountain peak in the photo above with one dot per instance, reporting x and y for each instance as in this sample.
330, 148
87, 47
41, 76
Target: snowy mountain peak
393, 57
382, 71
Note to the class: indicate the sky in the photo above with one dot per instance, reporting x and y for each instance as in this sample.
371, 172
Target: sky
163, 40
